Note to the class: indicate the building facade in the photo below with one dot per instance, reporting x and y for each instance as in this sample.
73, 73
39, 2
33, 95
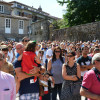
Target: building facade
18, 20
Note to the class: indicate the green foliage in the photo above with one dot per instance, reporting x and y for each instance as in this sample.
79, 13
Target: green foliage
55, 24
60, 24
81, 11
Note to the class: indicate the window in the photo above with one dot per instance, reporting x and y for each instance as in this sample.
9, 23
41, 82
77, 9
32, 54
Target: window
19, 6
8, 23
21, 24
1, 8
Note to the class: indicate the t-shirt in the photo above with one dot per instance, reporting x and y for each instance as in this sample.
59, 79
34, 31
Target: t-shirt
91, 83
49, 52
7, 86
28, 85
84, 61
28, 61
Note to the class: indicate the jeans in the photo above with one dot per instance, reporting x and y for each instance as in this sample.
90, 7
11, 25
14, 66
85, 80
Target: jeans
56, 90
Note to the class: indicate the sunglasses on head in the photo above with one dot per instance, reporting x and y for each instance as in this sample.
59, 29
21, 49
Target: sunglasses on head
26, 40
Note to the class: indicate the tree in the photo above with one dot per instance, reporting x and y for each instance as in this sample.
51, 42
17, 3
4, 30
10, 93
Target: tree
58, 24
81, 11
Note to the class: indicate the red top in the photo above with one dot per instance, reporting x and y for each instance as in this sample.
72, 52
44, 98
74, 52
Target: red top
28, 61
91, 82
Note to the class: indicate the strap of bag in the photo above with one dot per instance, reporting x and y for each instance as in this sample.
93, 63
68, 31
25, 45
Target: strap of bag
97, 73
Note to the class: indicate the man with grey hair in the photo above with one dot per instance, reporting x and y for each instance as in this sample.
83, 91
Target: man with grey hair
91, 80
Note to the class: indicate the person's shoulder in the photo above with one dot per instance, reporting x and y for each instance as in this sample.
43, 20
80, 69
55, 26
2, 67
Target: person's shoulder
79, 59
49, 50
90, 73
7, 75
9, 63
89, 57
17, 63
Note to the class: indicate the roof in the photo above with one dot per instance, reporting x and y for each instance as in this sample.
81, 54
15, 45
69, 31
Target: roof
37, 11
3, 2
16, 17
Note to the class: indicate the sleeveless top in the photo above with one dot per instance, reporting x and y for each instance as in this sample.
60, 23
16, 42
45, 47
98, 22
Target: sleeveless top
71, 71
56, 70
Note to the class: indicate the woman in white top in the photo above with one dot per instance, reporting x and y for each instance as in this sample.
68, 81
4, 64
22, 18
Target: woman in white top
11, 55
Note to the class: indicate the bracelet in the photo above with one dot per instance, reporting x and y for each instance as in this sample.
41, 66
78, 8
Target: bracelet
78, 78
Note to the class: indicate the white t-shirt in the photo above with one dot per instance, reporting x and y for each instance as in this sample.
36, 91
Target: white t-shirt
87, 63
49, 52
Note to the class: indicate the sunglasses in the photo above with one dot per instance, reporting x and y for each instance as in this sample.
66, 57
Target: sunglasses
26, 40
70, 56
54, 45
98, 60
57, 51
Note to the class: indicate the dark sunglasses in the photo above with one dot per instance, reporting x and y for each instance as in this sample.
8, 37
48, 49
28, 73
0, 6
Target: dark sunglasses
98, 60
70, 56
57, 51
26, 40
54, 45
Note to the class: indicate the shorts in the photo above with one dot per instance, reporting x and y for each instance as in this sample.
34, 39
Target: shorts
29, 96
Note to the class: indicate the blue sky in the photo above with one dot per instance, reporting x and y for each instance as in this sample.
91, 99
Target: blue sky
49, 6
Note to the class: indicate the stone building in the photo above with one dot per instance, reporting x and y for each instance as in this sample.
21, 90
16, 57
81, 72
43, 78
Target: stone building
18, 20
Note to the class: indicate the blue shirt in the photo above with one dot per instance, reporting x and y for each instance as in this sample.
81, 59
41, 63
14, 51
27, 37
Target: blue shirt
27, 85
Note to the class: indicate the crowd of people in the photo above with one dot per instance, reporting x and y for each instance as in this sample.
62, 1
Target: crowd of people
41, 70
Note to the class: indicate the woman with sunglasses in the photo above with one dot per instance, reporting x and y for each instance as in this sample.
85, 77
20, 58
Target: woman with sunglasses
71, 74
55, 67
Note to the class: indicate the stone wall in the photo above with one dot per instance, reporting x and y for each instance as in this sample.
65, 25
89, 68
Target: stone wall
7, 9
82, 32
40, 30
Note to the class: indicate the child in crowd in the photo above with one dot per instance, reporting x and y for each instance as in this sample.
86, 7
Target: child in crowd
29, 60
49, 84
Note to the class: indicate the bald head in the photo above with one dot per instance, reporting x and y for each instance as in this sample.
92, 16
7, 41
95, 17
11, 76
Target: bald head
19, 48
20, 45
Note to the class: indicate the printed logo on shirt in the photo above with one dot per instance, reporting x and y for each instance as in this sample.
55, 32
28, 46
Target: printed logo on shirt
33, 80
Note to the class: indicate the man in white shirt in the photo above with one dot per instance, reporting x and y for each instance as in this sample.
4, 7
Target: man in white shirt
49, 52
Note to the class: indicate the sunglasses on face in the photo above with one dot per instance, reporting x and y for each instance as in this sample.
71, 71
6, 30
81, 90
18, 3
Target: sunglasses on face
54, 45
70, 56
98, 60
26, 40
57, 51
